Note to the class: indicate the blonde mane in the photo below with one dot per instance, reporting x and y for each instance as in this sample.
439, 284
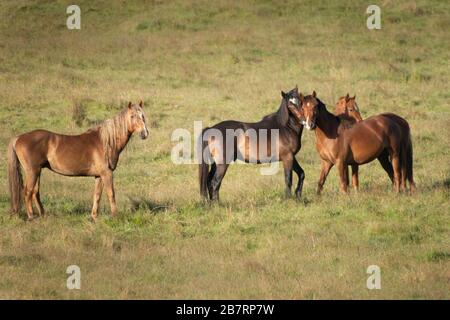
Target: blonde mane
113, 134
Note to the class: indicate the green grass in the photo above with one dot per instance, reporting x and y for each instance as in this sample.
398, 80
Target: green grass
210, 61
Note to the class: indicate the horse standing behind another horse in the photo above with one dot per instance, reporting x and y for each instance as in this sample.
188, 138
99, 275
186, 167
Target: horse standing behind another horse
376, 137
93, 153
348, 111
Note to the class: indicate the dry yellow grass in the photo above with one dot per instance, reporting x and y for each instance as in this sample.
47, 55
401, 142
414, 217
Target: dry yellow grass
197, 60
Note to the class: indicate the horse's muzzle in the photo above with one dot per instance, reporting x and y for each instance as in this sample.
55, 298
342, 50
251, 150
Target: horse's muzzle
308, 124
144, 134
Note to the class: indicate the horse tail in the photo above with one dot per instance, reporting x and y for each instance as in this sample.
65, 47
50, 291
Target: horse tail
14, 177
203, 167
409, 162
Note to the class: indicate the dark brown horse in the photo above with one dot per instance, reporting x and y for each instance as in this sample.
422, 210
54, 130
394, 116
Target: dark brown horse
376, 137
277, 137
94, 153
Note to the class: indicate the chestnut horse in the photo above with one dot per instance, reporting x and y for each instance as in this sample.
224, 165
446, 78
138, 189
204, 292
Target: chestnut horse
94, 153
347, 110
219, 152
376, 137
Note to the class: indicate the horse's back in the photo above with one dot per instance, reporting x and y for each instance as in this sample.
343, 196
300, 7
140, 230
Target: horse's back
368, 138
390, 124
228, 124
397, 119
64, 154
247, 143
266, 123
386, 130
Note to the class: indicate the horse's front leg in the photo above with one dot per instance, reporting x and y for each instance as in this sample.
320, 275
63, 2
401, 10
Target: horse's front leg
301, 177
324, 170
107, 180
288, 164
343, 175
355, 180
97, 195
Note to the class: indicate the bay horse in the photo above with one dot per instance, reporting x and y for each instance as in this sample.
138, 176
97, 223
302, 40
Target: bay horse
93, 153
376, 137
219, 152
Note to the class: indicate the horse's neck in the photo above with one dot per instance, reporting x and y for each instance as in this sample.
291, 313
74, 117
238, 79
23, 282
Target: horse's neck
327, 124
121, 138
295, 126
123, 141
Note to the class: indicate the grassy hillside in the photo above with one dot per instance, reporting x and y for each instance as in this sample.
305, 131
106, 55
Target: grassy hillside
210, 61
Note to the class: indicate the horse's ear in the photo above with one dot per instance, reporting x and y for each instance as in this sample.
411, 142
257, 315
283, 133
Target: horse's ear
141, 104
283, 94
354, 97
302, 97
296, 89
129, 105
347, 97
314, 94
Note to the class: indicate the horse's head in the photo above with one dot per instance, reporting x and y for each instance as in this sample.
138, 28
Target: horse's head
136, 120
309, 110
348, 107
292, 102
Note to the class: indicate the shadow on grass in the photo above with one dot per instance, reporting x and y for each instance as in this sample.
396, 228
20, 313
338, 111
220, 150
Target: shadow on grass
148, 205
15, 261
443, 184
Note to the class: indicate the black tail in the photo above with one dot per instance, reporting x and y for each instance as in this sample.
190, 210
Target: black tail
203, 167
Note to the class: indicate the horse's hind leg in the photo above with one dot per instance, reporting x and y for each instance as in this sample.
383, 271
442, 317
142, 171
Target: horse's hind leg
37, 197
355, 179
216, 181
396, 165
383, 158
301, 177
211, 175
31, 179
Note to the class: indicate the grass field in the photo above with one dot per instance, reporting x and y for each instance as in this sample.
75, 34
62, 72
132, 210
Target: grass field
211, 61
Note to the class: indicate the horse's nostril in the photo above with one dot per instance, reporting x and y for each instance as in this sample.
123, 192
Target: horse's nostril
144, 134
